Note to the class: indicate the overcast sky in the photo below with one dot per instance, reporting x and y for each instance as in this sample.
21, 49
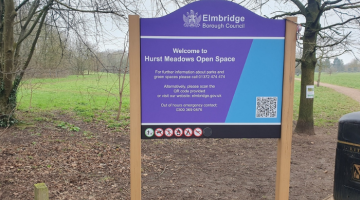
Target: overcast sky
113, 35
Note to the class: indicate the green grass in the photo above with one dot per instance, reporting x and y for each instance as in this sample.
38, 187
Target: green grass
329, 105
351, 80
89, 96
96, 97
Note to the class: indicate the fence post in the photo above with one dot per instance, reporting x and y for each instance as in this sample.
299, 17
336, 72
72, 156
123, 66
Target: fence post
41, 192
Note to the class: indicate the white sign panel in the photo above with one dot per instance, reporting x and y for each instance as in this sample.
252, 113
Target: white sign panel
310, 91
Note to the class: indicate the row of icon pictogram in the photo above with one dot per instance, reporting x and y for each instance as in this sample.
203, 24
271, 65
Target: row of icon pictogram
169, 132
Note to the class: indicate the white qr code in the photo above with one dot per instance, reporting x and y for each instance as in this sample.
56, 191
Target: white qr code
266, 107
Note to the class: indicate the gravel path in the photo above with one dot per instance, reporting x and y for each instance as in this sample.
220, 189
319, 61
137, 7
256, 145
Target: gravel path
351, 92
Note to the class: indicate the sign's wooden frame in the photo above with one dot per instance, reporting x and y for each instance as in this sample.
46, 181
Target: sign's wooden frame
284, 143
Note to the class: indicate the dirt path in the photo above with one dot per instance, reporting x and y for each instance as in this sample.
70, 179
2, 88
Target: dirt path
93, 164
351, 92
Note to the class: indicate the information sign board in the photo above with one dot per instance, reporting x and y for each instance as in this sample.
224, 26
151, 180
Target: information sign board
212, 67
235, 67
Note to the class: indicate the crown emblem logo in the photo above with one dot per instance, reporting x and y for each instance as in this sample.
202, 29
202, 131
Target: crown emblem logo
192, 19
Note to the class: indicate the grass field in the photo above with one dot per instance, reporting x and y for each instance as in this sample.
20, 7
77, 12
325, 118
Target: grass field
329, 105
96, 97
351, 80
89, 96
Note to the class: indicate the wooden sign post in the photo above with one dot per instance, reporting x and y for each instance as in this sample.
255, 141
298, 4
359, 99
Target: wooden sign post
197, 61
135, 108
284, 143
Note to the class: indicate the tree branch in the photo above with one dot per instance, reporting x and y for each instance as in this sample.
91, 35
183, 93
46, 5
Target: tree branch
334, 44
81, 39
162, 5
88, 11
330, 2
322, 8
336, 55
344, 6
338, 24
30, 30
286, 14
31, 13
21, 5
35, 40
300, 6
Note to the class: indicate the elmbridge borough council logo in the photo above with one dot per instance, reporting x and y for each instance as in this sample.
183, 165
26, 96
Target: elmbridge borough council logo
192, 19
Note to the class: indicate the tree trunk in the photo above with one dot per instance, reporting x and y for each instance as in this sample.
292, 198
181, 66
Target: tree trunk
318, 81
305, 123
1, 46
8, 39
31, 93
7, 97
121, 91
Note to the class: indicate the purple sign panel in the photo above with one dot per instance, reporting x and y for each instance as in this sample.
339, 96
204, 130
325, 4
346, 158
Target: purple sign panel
211, 69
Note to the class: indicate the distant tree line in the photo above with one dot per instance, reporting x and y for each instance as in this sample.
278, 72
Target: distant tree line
69, 57
337, 65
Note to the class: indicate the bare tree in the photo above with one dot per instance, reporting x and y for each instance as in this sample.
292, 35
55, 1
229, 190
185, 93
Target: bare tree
354, 66
122, 71
322, 65
345, 18
325, 54
331, 70
24, 21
